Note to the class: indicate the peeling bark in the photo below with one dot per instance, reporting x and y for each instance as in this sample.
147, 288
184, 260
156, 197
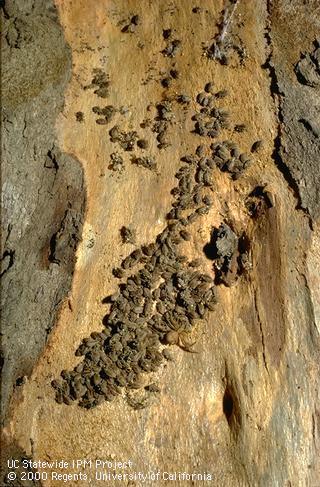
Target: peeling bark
244, 407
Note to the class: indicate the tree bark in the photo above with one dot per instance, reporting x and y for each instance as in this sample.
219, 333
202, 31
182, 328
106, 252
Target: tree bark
244, 409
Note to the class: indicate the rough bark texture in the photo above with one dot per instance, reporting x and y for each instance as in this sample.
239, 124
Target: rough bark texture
245, 408
43, 188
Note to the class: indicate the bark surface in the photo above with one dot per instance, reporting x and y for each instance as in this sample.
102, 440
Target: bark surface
246, 407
